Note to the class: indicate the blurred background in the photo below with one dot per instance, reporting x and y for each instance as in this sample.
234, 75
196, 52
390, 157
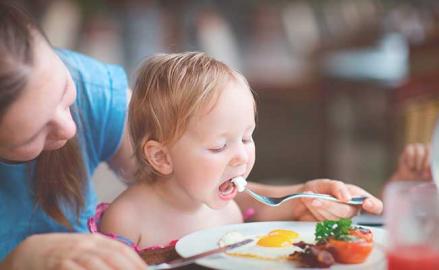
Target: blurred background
342, 85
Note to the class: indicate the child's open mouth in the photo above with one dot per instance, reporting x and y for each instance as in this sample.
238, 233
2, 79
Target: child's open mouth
227, 190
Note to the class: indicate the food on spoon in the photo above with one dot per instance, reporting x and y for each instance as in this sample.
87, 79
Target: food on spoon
346, 244
240, 183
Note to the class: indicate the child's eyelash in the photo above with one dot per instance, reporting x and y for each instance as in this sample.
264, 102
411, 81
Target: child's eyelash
219, 149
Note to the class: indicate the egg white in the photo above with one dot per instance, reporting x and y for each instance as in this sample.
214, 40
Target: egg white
252, 250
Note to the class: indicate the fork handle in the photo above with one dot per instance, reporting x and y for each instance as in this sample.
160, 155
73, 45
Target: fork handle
353, 201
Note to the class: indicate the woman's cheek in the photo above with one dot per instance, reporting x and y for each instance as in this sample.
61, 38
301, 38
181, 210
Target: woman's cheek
28, 152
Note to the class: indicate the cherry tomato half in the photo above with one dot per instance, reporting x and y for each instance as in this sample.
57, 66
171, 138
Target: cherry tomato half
353, 251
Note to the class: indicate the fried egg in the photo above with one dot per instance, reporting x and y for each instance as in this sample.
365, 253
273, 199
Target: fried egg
275, 245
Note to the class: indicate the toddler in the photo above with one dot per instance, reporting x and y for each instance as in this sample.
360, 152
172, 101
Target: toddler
191, 120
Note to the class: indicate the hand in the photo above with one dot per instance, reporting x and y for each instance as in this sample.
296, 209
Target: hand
307, 209
72, 251
414, 163
316, 209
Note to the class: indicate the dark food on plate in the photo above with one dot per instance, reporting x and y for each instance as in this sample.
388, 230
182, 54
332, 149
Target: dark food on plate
312, 255
336, 241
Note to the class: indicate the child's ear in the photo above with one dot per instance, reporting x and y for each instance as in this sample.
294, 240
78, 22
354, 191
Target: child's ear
158, 156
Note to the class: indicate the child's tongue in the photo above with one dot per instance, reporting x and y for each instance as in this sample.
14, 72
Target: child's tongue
226, 187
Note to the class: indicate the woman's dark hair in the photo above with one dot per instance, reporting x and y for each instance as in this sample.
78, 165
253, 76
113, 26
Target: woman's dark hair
59, 177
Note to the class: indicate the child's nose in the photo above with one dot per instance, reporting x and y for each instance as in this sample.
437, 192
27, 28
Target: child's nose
240, 156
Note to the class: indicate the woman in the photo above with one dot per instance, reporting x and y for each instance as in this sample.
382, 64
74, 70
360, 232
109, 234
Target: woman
61, 114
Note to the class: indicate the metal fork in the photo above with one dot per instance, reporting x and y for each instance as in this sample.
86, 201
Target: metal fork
270, 201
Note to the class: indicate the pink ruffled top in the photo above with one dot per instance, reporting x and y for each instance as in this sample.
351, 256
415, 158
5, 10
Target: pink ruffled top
93, 226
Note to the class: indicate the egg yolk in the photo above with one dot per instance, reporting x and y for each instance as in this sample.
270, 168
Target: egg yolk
278, 238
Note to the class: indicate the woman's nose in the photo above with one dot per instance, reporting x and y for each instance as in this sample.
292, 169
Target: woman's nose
64, 127
240, 156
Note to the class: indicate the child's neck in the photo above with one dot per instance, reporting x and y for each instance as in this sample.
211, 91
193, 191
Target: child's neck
174, 196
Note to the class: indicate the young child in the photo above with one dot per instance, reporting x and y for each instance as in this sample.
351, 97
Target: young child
191, 119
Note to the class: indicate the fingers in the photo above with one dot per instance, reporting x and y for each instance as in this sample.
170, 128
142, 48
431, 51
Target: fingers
76, 251
322, 209
414, 163
340, 191
335, 188
426, 161
308, 217
420, 156
372, 204
416, 156
408, 157
412, 155
313, 210
110, 260
93, 261
98, 252
327, 210
119, 255
71, 265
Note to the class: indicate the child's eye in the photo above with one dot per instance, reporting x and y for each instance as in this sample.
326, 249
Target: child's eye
218, 149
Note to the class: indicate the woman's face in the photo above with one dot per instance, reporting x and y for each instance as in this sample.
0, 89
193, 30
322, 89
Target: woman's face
39, 119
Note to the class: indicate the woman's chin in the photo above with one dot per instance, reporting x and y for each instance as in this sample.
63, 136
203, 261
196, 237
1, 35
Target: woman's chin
31, 154
55, 145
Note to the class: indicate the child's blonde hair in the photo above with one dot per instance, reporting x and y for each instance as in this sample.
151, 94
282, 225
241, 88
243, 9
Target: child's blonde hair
169, 90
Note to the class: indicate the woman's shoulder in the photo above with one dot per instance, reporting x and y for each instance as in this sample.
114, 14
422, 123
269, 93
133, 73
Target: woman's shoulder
100, 106
88, 70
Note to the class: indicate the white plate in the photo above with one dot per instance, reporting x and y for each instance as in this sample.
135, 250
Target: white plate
208, 239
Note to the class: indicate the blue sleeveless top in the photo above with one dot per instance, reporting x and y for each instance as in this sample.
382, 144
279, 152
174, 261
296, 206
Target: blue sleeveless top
101, 107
